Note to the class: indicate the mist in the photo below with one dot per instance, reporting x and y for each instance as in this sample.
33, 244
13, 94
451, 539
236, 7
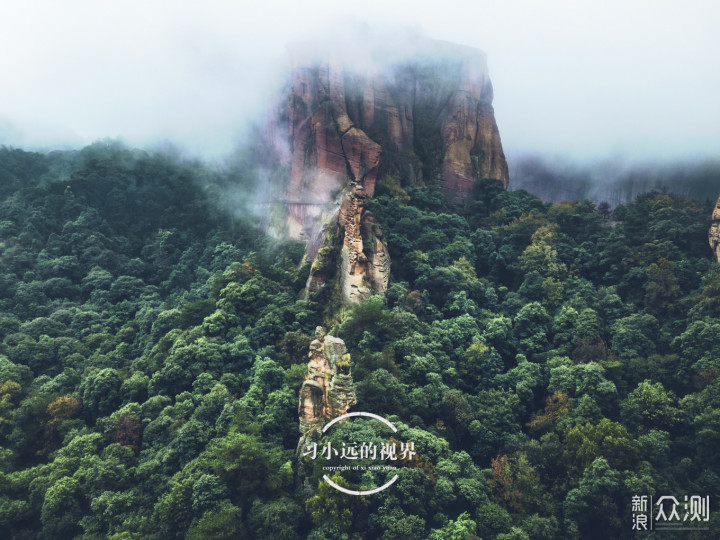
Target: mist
574, 81
614, 181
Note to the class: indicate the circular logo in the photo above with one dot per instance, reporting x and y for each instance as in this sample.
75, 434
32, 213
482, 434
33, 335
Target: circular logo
355, 492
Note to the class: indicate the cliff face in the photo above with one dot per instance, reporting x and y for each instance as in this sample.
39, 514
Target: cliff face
328, 150
427, 117
470, 136
714, 233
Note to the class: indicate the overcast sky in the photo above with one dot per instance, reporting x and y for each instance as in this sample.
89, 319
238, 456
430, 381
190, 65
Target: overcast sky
638, 79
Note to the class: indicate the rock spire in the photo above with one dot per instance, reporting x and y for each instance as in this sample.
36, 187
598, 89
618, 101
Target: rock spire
714, 233
327, 391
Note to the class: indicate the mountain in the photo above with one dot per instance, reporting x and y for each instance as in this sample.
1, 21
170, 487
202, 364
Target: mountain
537, 368
426, 116
613, 180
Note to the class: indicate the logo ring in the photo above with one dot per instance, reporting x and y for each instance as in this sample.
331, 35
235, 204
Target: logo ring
370, 491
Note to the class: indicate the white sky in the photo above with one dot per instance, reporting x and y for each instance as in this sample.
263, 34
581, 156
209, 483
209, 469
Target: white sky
579, 79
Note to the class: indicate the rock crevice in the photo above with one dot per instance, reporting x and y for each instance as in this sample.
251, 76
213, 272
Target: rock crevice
427, 117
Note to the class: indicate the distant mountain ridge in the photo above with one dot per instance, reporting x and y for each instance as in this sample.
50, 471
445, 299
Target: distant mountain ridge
611, 181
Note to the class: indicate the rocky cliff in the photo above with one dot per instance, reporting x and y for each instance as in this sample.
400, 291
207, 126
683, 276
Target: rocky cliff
327, 391
423, 116
714, 233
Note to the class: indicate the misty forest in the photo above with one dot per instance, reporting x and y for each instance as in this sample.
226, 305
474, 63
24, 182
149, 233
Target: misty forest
549, 360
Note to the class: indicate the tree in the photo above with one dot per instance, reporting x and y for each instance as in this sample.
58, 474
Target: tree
557, 407
62, 508
9, 396
280, 518
59, 412
329, 505
634, 335
172, 514
369, 316
524, 378
605, 210
101, 393
530, 328
516, 484
496, 423
249, 467
222, 522
563, 328
661, 289
540, 256
128, 433
650, 406
583, 444
582, 379
463, 528
382, 393
591, 509
125, 288
479, 365
698, 348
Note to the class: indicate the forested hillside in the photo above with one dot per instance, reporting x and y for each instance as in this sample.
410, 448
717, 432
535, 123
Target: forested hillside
549, 361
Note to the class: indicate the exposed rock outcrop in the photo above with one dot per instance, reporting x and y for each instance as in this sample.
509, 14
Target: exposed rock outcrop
328, 150
425, 115
327, 392
714, 234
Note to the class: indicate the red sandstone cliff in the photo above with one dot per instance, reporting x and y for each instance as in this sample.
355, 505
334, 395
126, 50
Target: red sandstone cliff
423, 118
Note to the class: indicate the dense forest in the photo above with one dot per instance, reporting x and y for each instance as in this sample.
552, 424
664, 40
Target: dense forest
549, 361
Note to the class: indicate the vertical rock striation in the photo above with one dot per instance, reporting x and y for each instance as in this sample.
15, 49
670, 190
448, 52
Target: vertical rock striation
471, 139
423, 116
328, 150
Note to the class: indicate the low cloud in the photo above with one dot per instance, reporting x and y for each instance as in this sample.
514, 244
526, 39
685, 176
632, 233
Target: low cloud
573, 79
